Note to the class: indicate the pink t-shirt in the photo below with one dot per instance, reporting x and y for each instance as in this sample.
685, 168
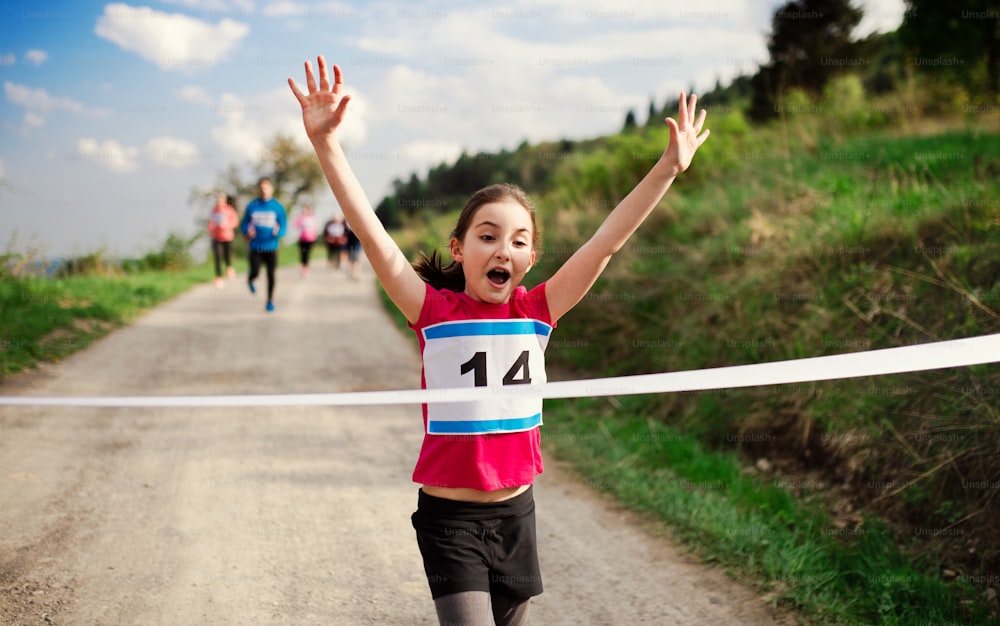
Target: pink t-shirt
221, 223
479, 461
308, 226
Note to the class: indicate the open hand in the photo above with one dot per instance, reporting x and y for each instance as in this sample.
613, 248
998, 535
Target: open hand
686, 134
323, 109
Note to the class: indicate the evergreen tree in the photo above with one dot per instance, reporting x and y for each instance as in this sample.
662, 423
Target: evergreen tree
961, 38
810, 41
630, 122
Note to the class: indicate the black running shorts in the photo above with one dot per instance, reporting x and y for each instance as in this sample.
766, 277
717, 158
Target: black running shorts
473, 546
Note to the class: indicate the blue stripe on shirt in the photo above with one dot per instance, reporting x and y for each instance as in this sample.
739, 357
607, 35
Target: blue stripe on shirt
475, 427
487, 327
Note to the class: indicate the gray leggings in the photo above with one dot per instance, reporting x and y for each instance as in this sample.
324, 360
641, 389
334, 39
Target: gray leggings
479, 608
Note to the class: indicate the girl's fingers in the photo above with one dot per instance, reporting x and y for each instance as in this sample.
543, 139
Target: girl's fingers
701, 120
310, 79
338, 79
682, 111
692, 107
296, 91
324, 74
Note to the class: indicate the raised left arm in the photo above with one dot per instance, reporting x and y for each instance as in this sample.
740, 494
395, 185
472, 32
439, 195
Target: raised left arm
573, 280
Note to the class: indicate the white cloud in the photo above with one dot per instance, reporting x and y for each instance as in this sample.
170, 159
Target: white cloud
36, 56
170, 40
8, 59
109, 153
38, 103
172, 151
195, 94
285, 8
33, 120
39, 100
882, 16
222, 6
3, 172
250, 123
429, 153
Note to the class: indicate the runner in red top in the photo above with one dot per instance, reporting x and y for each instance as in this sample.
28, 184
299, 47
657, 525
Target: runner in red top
478, 327
221, 223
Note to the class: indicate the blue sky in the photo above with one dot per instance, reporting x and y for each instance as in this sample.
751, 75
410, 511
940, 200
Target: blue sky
113, 112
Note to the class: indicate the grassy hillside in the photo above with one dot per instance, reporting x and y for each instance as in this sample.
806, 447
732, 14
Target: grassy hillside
45, 320
848, 226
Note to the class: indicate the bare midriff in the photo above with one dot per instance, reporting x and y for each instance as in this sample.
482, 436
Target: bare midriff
465, 494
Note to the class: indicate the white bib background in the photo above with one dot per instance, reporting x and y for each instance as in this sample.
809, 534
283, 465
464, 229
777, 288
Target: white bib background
264, 219
488, 352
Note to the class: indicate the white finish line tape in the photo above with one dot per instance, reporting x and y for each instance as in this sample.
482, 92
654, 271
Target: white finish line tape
928, 356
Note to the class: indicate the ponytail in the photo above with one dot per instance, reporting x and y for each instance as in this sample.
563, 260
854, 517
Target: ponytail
435, 273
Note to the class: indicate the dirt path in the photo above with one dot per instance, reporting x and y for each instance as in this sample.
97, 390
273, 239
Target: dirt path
277, 515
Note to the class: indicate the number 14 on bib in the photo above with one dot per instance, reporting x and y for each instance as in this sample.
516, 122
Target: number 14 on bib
485, 353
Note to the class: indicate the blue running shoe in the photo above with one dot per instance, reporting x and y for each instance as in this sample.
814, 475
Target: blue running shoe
252, 288
270, 306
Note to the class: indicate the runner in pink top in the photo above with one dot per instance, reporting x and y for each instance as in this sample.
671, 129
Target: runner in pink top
308, 227
221, 223
479, 327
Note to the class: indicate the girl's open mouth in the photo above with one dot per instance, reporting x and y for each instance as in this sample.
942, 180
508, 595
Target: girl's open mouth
498, 276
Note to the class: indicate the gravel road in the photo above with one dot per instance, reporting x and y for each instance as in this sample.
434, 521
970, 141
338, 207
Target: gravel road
298, 516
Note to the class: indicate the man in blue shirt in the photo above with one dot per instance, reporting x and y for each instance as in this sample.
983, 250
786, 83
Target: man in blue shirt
264, 224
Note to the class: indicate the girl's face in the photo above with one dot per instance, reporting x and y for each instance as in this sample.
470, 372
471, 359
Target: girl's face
496, 251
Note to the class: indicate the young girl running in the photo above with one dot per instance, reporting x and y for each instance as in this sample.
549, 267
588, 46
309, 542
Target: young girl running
221, 224
477, 325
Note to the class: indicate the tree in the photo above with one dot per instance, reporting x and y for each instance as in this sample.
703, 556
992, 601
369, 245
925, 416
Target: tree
630, 122
961, 38
294, 170
810, 41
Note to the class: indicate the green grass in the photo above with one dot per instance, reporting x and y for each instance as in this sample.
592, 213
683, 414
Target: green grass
48, 319
769, 250
45, 320
787, 547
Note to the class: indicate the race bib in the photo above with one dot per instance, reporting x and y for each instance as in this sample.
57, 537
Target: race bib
264, 219
485, 353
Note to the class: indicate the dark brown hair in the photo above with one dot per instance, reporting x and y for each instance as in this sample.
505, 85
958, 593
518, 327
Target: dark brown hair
432, 268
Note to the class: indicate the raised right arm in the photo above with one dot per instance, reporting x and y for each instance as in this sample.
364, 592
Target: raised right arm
323, 110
